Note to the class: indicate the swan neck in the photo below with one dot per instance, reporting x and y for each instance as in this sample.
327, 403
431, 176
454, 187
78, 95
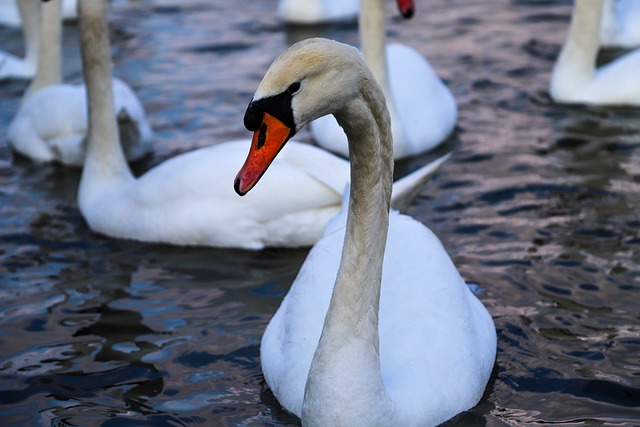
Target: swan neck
104, 159
577, 59
349, 345
372, 29
29, 15
49, 46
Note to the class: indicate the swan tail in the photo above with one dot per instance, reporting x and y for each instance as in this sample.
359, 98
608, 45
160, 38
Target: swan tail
408, 187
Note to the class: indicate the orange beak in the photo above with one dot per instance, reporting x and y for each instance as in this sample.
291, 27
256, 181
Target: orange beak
267, 142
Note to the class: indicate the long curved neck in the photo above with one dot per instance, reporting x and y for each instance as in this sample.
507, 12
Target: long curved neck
49, 46
576, 62
105, 163
29, 14
346, 364
373, 43
371, 26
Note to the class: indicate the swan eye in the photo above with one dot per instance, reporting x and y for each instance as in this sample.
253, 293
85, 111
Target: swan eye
293, 88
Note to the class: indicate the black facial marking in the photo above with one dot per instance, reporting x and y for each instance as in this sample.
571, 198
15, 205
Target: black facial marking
262, 136
408, 13
279, 106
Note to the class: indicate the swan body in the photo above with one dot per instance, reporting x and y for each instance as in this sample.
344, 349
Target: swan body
308, 12
408, 81
51, 125
188, 200
374, 331
423, 317
620, 24
51, 122
10, 15
575, 79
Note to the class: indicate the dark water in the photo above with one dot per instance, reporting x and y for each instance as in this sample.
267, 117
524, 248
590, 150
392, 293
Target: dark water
538, 207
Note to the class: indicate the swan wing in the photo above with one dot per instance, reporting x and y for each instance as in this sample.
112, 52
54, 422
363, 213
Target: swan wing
189, 199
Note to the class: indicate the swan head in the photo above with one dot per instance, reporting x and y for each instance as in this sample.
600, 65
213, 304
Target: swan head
311, 79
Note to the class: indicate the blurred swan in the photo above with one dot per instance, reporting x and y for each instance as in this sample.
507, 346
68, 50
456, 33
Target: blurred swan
189, 199
307, 12
11, 16
423, 110
620, 24
11, 66
576, 80
366, 336
51, 123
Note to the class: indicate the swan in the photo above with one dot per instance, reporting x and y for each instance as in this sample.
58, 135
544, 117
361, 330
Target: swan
11, 66
185, 201
51, 122
11, 16
363, 338
309, 12
408, 81
620, 24
575, 79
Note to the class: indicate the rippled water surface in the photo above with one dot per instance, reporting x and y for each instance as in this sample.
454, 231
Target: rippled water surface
538, 207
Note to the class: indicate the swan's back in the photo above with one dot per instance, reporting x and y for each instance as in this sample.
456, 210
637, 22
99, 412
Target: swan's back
437, 341
426, 107
184, 201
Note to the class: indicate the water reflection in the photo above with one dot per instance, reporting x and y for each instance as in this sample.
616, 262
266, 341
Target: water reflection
538, 207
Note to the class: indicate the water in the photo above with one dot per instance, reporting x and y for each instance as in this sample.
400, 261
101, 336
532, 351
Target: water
538, 208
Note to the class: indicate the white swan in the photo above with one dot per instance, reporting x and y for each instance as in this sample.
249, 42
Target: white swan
187, 200
423, 110
576, 80
620, 24
11, 66
308, 12
358, 341
51, 123
11, 16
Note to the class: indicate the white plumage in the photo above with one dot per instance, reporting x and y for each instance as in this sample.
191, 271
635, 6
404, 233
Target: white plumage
576, 80
368, 336
423, 110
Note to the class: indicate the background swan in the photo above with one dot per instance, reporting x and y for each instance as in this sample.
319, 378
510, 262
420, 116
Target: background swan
575, 79
11, 16
307, 12
11, 66
188, 200
401, 343
423, 110
51, 123
620, 24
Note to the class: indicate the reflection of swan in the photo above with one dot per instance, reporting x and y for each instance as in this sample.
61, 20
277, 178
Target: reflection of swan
51, 122
12, 17
189, 199
317, 11
423, 110
320, 353
620, 23
22, 68
575, 79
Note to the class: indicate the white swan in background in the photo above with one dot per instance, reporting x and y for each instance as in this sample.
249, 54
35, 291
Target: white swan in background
51, 123
359, 341
423, 110
575, 79
189, 199
11, 16
620, 24
11, 66
309, 12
